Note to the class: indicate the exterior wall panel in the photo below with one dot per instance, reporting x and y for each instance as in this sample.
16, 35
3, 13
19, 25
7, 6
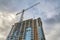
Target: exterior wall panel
36, 30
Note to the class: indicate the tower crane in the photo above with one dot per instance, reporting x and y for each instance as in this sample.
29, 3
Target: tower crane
14, 35
21, 19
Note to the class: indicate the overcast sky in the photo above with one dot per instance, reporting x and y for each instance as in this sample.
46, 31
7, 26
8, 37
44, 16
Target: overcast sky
47, 10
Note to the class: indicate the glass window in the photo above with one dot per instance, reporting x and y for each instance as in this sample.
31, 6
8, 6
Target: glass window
28, 33
40, 33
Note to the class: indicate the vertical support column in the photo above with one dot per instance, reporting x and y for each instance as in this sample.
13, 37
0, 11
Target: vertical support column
35, 31
20, 38
22, 31
42, 32
31, 25
32, 29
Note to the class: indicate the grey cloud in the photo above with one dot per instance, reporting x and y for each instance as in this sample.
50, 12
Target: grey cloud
54, 19
54, 34
9, 5
6, 21
2, 39
15, 5
53, 28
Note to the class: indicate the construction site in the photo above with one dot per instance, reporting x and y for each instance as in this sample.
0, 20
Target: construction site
30, 29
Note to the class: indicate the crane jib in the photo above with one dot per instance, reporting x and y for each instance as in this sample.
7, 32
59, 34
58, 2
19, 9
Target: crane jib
28, 8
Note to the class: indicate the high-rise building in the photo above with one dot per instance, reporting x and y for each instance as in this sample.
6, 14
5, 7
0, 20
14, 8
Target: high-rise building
30, 29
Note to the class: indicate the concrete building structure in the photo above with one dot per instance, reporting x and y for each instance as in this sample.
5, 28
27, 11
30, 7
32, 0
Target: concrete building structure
30, 29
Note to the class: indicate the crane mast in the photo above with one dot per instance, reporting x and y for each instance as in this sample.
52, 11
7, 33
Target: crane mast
14, 35
21, 19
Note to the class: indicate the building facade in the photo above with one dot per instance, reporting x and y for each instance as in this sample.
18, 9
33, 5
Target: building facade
30, 29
